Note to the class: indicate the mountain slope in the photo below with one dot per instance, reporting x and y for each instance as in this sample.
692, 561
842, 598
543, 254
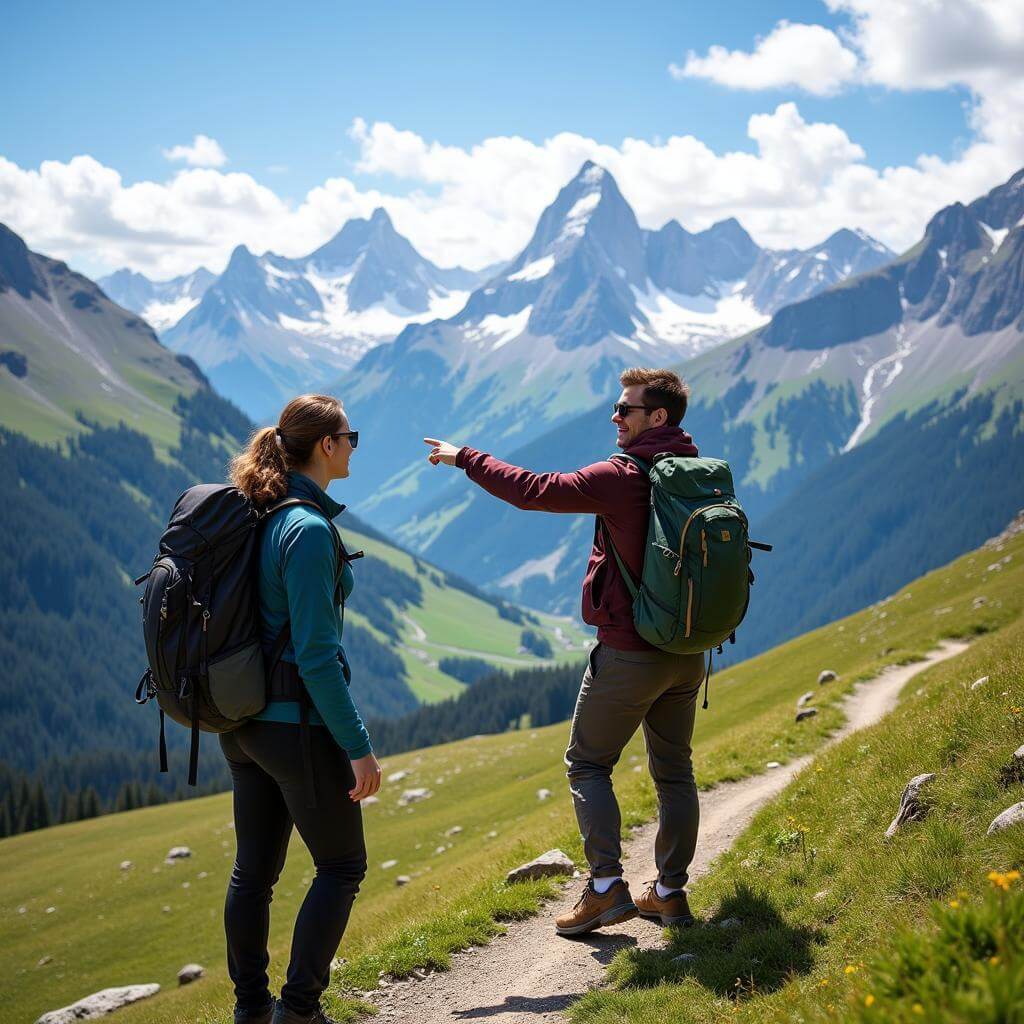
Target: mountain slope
590, 294
160, 303
67, 351
933, 344
269, 327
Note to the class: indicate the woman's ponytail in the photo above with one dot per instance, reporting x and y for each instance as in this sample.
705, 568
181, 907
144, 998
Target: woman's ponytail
261, 471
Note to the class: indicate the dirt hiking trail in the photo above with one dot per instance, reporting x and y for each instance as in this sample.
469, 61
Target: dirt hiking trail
531, 975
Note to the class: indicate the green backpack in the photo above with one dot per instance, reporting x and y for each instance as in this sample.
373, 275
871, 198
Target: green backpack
696, 579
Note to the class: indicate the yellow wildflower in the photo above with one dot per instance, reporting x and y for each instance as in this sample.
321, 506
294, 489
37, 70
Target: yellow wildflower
918, 1009
869, 1000
994, 961
954, 904
849, 969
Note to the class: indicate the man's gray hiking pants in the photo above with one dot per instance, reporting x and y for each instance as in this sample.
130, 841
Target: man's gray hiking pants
620, 691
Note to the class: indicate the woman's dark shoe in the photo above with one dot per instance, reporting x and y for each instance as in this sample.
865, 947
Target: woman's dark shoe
282, 1015
265, 1015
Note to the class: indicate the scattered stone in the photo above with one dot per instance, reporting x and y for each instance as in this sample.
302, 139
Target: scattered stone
440, 850
126, 865
684, 958
177, 853
554, 862
99, 1004
773, 764
805, 698
826, 676
730, 922
638, 767
492, 834
979, 683
165, 910
388, 865
51, 910
1014, 771
43, 961
412, 796
912, 807
821, 895
543, 794
979, 601
398, 776
806, 713
22, 910
367, 800
402, 880
454, 830
190, 973
419, 974
1007, 819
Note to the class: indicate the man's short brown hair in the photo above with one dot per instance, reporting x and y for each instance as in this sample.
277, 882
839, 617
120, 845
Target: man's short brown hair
663, 389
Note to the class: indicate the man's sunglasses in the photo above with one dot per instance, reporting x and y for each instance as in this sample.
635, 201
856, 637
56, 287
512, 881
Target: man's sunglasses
352, 435
623, 409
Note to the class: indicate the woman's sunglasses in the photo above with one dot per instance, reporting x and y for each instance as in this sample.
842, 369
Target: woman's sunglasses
352, 435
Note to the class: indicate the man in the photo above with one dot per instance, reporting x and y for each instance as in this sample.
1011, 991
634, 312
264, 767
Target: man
627, 681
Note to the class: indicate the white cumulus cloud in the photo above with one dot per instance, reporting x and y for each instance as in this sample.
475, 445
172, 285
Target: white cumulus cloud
204, 152
810, 57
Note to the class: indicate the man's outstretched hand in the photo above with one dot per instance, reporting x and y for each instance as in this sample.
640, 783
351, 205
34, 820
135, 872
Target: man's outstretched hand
441, 451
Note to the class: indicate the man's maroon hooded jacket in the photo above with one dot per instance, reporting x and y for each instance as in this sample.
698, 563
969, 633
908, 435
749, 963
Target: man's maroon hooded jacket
616, 490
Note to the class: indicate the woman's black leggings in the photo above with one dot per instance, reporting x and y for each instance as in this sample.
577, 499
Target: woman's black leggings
269, 796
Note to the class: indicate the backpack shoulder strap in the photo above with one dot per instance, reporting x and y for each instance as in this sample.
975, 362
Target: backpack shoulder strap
631, 584
644, 467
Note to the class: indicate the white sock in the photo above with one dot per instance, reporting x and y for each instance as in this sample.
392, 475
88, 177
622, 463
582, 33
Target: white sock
663, 893
602, 885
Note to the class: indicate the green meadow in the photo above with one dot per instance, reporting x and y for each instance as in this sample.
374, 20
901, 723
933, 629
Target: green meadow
109, 926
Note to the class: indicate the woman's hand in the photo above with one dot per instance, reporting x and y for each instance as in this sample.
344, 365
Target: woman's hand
441, 451
367, 773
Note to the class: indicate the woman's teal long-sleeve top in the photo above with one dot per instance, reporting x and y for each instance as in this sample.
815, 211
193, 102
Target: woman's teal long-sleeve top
298, 579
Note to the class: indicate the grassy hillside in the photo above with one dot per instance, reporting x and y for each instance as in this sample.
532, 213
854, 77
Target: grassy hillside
447, 621
109, 927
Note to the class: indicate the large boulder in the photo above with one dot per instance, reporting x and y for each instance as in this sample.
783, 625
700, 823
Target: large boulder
806, 713
99, 1004
554, 862
805, 698
912, 805
1007, 819
826, 676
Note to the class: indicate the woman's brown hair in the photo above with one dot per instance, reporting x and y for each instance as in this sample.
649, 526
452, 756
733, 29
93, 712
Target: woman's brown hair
261, 471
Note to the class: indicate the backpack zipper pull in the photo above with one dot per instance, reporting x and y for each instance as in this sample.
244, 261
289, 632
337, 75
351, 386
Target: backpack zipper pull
206, 618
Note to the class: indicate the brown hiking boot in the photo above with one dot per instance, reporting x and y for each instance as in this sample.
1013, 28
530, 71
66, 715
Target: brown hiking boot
672, 910
594, 910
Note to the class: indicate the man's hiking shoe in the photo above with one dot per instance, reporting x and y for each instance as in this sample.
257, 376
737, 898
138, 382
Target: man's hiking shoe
673, 909
282, 1015
595, 910
265, 1015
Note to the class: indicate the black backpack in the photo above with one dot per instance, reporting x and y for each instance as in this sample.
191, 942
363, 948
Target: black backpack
200, 617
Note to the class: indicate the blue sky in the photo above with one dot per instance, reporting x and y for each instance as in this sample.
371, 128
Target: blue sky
474, 114
277, 85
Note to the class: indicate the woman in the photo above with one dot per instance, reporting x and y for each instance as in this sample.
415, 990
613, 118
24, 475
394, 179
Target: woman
300, 575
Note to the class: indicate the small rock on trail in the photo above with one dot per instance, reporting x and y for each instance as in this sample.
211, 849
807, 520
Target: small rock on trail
190, 973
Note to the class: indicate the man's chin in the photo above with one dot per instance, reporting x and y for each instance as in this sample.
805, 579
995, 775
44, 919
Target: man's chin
622, 441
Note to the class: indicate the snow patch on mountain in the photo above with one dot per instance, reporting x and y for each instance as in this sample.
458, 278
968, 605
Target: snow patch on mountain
499, 330
161, 315
546, 566
692, 321
533, 271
